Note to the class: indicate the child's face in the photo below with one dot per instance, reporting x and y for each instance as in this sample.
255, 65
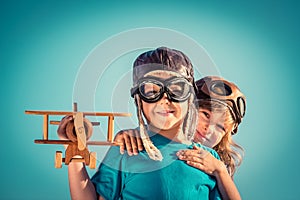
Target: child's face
211, 128
164, 114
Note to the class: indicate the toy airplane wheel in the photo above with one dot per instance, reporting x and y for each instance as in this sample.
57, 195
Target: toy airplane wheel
58, 159
93, 159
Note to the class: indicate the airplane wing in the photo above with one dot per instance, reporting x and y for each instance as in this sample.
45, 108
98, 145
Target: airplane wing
112, 114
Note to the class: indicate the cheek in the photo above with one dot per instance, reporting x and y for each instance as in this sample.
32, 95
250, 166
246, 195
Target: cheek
216, 138
200, 125
182, 109
147, 110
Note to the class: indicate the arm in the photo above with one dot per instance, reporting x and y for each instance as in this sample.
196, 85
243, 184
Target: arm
225, 183
203, 160
81, 186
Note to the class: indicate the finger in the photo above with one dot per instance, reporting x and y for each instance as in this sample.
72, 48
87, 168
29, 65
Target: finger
198, 149
200, 166
139, 140
189, 152
64, 121
190, 158
130, 132
134, 144
140, 144
128, 144
204, 153
119, 138
196, 165
201, 153
122, 146
61, 130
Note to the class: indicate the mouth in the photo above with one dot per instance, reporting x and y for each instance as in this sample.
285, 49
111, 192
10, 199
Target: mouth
200, 135
165, 112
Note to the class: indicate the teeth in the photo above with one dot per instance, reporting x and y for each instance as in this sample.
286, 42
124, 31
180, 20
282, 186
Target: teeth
166, 112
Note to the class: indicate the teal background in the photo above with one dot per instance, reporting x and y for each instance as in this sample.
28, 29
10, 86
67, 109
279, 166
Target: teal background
255, 44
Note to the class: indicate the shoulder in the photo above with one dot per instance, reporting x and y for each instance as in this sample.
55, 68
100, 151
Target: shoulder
113, 157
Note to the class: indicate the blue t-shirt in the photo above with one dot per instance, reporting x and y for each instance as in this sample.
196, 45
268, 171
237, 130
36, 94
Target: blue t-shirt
138, 177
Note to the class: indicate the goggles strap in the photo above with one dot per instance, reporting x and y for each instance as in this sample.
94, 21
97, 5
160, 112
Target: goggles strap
233, 113
140, 116
189, 126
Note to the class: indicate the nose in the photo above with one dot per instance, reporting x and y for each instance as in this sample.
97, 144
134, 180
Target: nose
165, 99
209, 129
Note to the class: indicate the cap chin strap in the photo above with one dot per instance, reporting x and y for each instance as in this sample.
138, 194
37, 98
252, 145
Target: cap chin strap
235, 130
151, 150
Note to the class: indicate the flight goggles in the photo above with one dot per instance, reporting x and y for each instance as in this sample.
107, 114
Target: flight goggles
226, 93
152, 89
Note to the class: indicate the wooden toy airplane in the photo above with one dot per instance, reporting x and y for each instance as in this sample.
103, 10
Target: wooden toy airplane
78, 131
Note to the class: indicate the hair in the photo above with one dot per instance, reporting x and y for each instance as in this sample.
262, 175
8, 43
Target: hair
229, 151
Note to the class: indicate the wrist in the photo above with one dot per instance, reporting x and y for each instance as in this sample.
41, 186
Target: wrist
76, 166
220, 169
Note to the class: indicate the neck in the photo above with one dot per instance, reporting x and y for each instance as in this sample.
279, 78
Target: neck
175, 134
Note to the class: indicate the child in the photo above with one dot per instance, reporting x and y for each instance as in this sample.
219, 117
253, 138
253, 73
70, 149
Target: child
221, 109
163, 91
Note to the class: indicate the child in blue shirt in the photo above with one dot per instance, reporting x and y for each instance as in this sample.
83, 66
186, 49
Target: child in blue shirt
163, 89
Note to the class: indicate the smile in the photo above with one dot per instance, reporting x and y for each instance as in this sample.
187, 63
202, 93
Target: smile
165, 112
201, 135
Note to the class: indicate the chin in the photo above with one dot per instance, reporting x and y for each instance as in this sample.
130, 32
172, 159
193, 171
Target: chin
197, 140
207, 145
163, 126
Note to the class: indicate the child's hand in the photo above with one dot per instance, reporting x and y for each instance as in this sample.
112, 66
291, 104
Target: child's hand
201, 159
129, 140
61, 131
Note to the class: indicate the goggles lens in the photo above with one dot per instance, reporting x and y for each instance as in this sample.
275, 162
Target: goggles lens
152, 89
222, 91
